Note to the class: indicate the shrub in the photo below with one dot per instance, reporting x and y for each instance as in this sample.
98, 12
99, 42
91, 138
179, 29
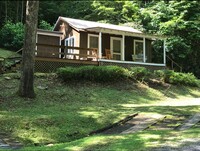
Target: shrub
12, 35
116, 73
178, 78
66, 74
140, 73
45, 25
93, 73
159, 74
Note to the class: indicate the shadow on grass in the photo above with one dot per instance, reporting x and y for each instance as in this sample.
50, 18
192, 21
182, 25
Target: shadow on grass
66, 112
141, 141
176, 91
167, 110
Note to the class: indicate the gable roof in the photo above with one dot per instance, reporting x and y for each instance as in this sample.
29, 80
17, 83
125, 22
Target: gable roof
91, 25
84, 25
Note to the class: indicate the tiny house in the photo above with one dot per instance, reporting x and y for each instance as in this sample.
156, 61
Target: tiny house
106, 44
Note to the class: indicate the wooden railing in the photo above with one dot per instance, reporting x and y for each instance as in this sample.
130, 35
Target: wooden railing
174, 64
66, 52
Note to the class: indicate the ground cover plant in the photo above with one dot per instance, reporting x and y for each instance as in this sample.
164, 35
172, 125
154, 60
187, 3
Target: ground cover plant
65, 112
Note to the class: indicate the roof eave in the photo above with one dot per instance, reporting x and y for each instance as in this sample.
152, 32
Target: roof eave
56, 23
112, 31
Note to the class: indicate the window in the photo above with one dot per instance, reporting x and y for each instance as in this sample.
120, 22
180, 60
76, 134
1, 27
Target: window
93, 41
70, 42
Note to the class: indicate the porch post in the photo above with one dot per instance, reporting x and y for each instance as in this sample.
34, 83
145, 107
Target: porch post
100, 45
144, 49
164, 52
123, 47
60, 48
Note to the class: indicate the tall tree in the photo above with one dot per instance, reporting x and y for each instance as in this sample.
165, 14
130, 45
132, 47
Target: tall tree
180, 21
26, 88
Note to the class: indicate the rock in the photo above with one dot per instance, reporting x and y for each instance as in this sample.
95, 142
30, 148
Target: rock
42, 87
8, 78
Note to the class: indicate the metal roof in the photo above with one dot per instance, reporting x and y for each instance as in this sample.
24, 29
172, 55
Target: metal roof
84, 25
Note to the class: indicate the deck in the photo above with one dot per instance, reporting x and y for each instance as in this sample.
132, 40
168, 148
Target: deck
61, 56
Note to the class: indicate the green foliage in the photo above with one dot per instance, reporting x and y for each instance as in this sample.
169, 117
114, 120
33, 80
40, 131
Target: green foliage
180, 21
45, 25
116, 73
140, 73
157, 52
177, 78
12, 35
114, 11
93, 73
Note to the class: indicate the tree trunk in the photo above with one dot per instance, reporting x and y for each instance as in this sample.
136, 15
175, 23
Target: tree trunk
17, 12
6, 11
26, 88
22, 12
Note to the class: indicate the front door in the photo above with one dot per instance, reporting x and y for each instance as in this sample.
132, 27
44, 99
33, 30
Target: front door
116, 48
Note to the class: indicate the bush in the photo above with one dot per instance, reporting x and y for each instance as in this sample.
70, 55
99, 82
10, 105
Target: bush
159, 74
140, 73
178, 78
116, 73
45, 25
93, 73
12, 35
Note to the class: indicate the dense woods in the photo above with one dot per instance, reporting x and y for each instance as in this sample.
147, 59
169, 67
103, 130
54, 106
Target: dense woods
179, 20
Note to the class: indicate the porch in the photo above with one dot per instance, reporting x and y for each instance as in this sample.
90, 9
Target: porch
50, 57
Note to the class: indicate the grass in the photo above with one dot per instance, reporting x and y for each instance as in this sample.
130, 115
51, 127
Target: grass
64, 114
6, 53
141, 141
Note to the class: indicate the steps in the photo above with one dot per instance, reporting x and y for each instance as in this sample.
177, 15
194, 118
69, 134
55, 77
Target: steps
190, 122
139, 122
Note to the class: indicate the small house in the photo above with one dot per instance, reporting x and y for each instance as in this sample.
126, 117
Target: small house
88, 42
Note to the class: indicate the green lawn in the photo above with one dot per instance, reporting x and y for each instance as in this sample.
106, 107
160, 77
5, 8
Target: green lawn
6, 53
141, 141
64, 114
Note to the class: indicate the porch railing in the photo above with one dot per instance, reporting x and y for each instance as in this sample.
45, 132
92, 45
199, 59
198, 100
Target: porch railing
174, 65
66, 52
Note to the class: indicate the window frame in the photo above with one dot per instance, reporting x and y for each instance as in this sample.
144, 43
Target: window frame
71, 43
134, 50
92, 35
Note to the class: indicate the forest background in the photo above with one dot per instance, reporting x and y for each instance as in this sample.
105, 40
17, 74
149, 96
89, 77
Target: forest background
179, 20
